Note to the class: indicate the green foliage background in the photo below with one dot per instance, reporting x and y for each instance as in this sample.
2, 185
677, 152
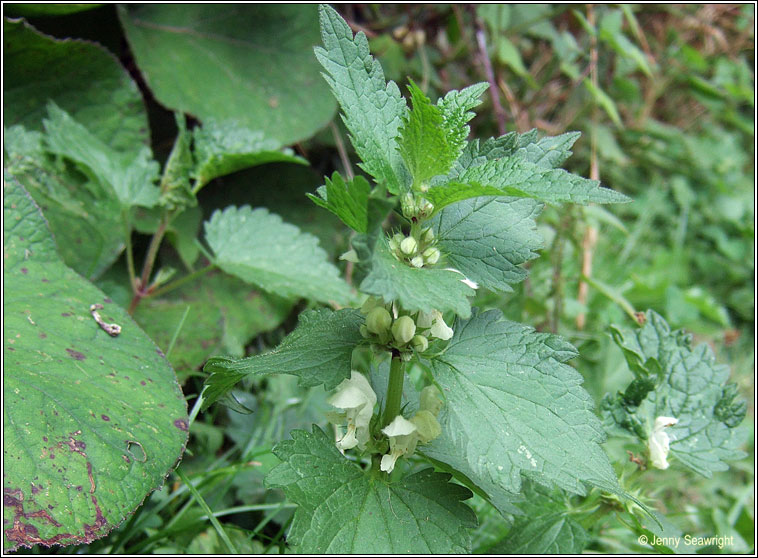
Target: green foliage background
664, 98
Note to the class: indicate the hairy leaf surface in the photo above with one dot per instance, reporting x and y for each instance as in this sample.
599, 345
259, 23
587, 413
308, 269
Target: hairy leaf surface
372, 109
319, 351
258, 247
514, 407
488, 238
342, 509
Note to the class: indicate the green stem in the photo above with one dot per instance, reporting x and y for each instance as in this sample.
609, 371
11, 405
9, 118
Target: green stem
129, 251
208, 512
179, 282
394, 390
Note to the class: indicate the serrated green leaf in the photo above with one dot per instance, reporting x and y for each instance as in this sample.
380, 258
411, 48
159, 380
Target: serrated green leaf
443, 195
319, 351
691, 387
515, 176
131, 178
425, 139
342, 509
513, 407
549, 152
488, 239
248, 62
176, 190
92, 423
347, 200
84, 215
455, 107
372, 109
83, 78
413, 288
258, 247
222, 148
546, 526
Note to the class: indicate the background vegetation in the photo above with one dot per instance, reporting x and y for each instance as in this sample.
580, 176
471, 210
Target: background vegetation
664, 97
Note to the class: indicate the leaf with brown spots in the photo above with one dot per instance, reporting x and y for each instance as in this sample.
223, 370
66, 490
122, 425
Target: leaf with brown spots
90, 430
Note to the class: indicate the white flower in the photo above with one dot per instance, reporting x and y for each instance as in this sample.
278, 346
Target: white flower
403, 437
437, 325
356, 398
658, 442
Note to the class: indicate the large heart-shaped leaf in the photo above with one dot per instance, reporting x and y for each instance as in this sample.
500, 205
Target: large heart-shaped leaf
92, 422
252, 63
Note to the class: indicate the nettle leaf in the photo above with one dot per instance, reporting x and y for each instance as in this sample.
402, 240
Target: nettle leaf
372, 109
413, 288
347, 200
83, 78
423, 141
515, 176
318, 351
689, 386
514, 407
176, 189
82, 214
488, 239
258, 247
222, 148
92, 423
343, 509
455, 107
131, 178
546, 526
248, 62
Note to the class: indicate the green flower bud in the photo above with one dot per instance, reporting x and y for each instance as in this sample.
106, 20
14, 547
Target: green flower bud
424, 206
427, 427
364, 331
427, 235
431, 400
408, 204
417, 261
403, 329
420, 343
378, 320
371, 303
431, 256
408, 245
395, 242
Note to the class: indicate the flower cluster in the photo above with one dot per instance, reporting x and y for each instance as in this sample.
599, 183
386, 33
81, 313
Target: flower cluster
416, 251
386, 327
356, 399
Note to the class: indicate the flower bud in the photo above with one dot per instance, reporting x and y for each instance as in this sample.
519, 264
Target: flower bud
403, 329
408, 204
431, 256
371, 303
395, 242
428, 235
378, 320
419, 343
424, 206
417, 261
364, 331
408, 245
431, 400
427, 427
